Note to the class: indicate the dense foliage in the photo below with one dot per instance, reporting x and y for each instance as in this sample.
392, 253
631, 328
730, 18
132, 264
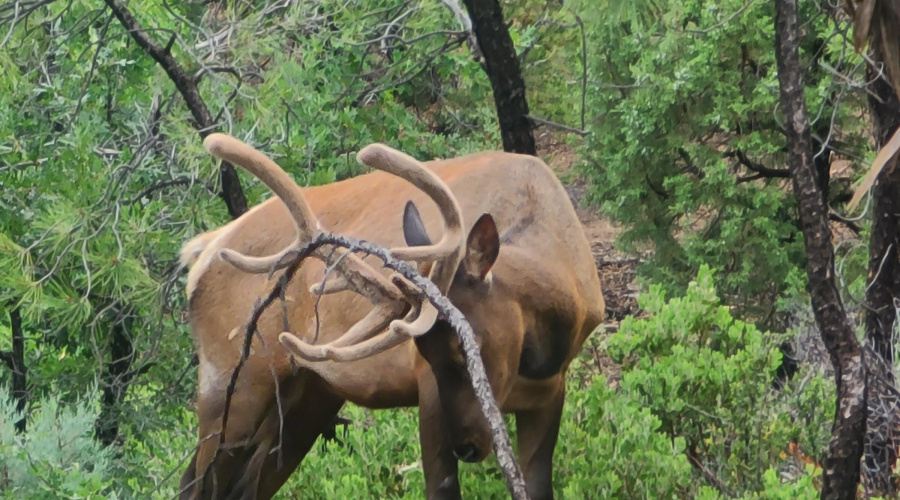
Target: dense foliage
687, 142
103, 176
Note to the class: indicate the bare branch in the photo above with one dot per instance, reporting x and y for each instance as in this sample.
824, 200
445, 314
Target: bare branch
20, 12
465, 22
583, 68
689, 166
851, 225
762, 171
470, 350
231, 193
178, 181
541, 121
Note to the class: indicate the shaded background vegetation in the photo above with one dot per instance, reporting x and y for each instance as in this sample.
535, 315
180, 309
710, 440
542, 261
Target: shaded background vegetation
669, 108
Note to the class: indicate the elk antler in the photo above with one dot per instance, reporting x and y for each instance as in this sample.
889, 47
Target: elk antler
388, 296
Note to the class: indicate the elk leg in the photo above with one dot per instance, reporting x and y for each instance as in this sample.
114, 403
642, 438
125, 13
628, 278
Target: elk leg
215, 470
303, 423
248, 468
212, 469
438, 462
186, 486
537, 431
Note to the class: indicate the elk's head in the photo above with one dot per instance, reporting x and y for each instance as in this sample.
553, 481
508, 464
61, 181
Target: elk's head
458, 265
467, 428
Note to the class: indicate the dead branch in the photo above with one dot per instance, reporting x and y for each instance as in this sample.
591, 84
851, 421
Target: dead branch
584, 70
465, 22
708, 475
178, 181
689, 166
761, 171
851, 225
232, 193
499, 435
541, 121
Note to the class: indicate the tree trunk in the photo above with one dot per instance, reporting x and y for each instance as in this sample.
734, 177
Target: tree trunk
115, 381
502, 67
884, 267
231, 192
842, 461
15, 360
883, 289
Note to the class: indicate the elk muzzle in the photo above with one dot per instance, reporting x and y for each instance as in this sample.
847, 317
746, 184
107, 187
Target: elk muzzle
466, 426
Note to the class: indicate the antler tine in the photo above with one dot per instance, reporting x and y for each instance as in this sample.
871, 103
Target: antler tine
447, 252
402, 165
358, 342
259, 265
364, 280
364, 349
399, 332
234, 151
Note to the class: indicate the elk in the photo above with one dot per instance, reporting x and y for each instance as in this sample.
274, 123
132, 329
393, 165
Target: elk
511, 256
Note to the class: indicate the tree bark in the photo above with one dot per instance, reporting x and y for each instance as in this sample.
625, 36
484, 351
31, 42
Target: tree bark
883, 288
842, 461
15, 360
884, 266
115, 381
502, 67
231, 192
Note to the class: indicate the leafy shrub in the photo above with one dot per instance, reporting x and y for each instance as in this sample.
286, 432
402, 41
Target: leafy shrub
380, 455
683, 104
610, 447
57, 457
708, 378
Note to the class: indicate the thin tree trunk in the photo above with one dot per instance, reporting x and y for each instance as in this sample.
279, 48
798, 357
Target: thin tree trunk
842, 461
884, 267
115, 381
15, 360
502, 67
231, 192
883, 288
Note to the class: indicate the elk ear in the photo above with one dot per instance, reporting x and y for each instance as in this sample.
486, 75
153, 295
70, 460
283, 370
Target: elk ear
482, 248
413, 228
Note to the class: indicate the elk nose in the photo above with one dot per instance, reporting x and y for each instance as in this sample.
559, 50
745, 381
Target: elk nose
466, 452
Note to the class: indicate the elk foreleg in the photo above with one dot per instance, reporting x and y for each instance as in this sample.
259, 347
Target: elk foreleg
438, 461
304, 422
258, 458
537, 431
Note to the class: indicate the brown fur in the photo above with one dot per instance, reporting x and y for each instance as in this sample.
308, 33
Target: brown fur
538, 303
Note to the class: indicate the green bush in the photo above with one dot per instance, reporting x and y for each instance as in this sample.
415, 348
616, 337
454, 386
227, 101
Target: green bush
610, 447
380, 456
57, 457
708, 378
682, 97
